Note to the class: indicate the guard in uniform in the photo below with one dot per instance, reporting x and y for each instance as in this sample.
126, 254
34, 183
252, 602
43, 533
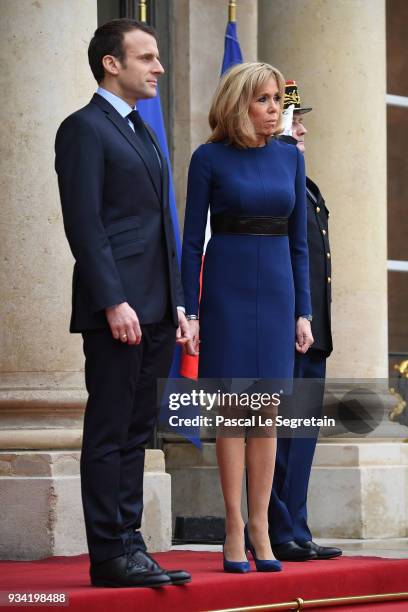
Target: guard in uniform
290, 535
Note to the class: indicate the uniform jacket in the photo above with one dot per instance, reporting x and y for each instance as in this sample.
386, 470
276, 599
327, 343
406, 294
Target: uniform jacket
116, 218
319, 267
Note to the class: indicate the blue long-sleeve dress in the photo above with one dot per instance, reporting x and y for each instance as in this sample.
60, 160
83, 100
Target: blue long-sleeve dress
253, 287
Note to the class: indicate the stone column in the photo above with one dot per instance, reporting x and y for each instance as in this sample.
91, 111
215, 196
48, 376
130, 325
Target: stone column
198, 34
44, 77
336, 53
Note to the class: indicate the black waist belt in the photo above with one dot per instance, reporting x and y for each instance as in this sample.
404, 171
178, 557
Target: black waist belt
253, 226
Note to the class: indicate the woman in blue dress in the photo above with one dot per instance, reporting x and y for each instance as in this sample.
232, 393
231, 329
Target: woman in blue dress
255, 301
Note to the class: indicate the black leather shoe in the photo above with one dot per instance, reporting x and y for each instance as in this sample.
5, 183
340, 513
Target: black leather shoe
290, 551
322, 552
128, 571
176, 576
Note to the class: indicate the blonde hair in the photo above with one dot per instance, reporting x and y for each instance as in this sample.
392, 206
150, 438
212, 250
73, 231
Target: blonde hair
229, 113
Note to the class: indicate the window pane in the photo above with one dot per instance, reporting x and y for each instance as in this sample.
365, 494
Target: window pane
398, 312
397, 48
397, 135
107, 10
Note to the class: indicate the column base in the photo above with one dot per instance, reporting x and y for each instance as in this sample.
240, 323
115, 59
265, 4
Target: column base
42, 511
359, 490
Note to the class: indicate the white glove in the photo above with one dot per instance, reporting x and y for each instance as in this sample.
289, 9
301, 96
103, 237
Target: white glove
287, 120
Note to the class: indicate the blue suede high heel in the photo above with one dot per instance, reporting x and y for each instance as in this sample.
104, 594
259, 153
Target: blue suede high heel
262, 565
235, 567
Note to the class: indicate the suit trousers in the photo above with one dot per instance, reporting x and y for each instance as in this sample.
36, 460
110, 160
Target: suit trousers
294, 456
120, 416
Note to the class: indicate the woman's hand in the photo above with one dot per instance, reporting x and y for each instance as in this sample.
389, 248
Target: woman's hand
183, 336
304, 338
192, 348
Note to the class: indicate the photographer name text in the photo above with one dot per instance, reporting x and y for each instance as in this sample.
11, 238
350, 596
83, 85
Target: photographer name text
255, 420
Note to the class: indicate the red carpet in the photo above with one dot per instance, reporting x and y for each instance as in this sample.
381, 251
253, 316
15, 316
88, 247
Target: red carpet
212, 589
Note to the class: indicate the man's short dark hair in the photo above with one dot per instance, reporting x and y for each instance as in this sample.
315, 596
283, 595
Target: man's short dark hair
108, 40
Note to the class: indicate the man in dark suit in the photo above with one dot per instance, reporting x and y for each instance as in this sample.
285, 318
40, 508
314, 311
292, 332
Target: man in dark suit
113, 182
290, 535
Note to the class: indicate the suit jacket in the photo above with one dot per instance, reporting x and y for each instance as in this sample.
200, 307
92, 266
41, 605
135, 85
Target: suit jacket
319, 267
116, 218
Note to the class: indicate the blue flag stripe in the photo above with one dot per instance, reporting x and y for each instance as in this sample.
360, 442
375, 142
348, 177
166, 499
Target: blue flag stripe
151, 112
232, 50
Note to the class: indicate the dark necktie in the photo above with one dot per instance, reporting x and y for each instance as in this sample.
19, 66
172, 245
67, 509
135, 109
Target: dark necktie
152, 157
